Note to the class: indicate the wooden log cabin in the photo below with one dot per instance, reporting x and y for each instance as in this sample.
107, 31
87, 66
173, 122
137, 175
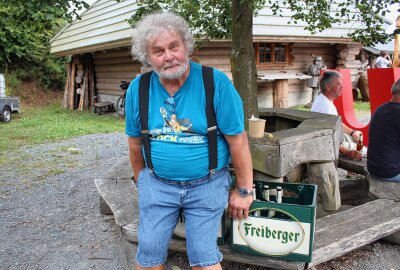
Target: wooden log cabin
99, 44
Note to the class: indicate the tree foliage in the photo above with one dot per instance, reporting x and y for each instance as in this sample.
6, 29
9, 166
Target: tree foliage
26, 27
213, 18
216, 19
208, 18
323, 14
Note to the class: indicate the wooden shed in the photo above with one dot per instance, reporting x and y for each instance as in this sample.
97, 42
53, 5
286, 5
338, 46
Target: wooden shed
99, 44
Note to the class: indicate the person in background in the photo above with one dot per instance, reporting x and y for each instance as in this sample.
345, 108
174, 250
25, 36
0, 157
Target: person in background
383, 61
180, 180
331, 88
384, 139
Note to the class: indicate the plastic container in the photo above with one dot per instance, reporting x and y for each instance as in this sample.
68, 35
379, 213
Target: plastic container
288, 234
2, 86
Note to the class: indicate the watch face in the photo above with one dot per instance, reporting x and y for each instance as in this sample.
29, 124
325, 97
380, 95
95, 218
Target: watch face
243, 192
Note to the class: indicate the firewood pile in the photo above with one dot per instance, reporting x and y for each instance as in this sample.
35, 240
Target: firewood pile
80, 84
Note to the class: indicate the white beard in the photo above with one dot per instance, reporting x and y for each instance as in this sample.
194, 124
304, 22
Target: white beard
173, 75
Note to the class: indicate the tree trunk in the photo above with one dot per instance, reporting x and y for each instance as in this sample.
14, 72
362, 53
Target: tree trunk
243, 64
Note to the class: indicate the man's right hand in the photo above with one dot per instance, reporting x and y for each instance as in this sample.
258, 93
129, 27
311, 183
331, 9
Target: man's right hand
135, 156
238, 206
353, 154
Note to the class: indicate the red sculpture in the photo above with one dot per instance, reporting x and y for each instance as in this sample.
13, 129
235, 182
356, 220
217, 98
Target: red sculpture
380, 81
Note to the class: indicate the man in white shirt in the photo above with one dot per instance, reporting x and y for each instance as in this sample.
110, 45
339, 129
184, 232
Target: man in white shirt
383, 61
331, 88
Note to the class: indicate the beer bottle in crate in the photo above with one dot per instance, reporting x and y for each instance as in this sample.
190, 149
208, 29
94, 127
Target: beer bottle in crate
279, 194
266, 193
258, 212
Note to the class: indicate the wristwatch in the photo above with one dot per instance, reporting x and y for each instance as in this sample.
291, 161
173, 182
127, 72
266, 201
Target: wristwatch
244, 192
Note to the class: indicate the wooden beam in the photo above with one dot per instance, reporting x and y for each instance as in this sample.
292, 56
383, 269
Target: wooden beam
68, 67
115, 60
280, 93
112, 54
110, 92
131, 67
71, 92
340, 233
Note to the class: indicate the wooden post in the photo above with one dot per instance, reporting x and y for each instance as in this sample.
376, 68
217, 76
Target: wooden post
83, 94
71, 92
280, 93
92, 81
68, 67
87, 82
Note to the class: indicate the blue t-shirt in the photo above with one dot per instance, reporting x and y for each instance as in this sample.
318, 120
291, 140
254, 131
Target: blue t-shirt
178, 124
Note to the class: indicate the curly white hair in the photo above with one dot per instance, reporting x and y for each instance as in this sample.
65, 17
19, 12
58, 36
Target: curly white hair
152, 25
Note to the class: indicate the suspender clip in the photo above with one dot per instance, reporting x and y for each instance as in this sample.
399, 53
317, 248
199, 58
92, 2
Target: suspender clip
211, 128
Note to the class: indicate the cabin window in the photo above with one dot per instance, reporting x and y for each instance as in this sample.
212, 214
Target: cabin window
271, 53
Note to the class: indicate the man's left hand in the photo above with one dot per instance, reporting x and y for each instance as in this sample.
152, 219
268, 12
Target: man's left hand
238, 206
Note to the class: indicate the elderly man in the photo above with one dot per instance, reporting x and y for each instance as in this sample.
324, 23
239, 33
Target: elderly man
384, 139
331, 88
174, 176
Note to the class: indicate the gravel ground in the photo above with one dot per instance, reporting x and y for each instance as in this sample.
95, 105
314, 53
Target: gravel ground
50, 217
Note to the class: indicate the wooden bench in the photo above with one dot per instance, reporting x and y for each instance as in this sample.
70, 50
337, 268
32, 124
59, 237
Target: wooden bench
121, 197
357, 166
377, 188
335, 235
340, 233
103, 107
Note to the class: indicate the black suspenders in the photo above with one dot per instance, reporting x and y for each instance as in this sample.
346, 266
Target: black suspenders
144, 89
208, 80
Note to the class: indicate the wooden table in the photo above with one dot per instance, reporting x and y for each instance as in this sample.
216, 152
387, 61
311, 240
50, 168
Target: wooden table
280, 86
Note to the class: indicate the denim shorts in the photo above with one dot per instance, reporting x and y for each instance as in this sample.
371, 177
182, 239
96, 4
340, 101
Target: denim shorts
395, 178
160, 203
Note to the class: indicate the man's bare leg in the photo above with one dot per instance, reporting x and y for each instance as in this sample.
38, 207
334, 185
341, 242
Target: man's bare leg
159, 267
212, 267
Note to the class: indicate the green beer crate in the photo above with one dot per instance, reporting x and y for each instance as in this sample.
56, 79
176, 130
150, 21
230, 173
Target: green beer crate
224, 228
282, 230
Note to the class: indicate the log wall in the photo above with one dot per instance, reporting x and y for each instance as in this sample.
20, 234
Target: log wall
346, 58
216, 55
111, 67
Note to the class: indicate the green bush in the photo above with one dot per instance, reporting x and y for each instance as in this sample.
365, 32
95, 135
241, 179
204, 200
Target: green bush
13, 84
49, 74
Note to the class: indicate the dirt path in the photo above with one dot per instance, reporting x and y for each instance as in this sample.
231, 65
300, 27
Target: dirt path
50, 217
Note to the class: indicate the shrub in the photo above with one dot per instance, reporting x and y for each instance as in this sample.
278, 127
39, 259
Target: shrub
13, 84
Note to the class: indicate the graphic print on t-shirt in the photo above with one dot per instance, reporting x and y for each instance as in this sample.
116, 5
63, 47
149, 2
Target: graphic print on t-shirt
175, 129
172, 124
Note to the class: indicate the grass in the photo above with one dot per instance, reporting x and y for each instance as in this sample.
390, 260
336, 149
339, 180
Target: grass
42, 124
362, 106
48, 123
359, 106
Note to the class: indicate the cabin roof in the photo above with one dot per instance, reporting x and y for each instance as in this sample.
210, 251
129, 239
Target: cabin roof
104, 26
